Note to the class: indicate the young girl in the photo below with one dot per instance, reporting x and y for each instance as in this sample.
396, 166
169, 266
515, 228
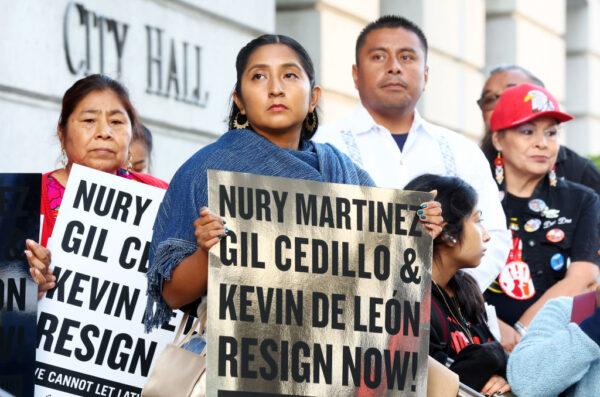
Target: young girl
460, 337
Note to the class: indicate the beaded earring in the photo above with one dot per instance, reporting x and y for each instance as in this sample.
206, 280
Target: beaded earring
499, 168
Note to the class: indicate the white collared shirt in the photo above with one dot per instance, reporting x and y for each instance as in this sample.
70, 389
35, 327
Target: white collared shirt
429, 149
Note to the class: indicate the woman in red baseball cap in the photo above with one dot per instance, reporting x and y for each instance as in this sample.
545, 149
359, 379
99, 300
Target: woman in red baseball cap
555, 223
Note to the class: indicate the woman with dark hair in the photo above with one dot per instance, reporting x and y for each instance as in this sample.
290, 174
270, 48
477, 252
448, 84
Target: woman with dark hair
569, 165
554, 222
95, 128
460, 337
273, 116
141, 150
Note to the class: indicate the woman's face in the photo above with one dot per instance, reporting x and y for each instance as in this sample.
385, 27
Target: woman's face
275, 91
470, 250
531, 148
98, 132
139, 156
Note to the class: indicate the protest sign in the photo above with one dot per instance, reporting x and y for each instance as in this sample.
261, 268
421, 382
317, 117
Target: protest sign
319, 289
91, 339
19, 221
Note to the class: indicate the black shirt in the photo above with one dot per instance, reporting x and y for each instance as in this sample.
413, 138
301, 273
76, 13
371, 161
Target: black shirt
575, 168
477, 356
547, 256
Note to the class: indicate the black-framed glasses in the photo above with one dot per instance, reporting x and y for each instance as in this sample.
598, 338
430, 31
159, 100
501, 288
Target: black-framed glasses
487, 102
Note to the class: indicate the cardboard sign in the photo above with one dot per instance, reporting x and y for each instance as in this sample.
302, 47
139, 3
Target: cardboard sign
91, 335
320, 289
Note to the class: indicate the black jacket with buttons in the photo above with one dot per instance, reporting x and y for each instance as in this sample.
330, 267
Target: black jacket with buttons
578, 218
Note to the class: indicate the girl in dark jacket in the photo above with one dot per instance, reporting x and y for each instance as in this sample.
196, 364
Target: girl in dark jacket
460, 337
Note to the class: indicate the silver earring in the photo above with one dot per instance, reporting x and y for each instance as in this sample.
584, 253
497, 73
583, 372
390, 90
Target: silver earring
448, 238
63, 160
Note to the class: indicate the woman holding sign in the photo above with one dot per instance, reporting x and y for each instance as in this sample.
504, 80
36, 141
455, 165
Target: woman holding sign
95, 128
273, 117
554, 222
460, 336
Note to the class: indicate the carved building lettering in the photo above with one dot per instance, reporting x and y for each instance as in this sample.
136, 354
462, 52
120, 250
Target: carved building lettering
94, 43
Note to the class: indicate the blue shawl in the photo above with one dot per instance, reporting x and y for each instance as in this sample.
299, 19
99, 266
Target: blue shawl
239, 151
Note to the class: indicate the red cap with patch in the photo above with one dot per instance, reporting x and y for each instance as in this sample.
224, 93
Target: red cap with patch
523, 103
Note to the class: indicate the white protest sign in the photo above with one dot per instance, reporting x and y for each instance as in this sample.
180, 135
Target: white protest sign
319, 289
91, 338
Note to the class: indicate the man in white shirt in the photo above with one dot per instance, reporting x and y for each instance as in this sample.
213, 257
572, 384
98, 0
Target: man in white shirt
389, 139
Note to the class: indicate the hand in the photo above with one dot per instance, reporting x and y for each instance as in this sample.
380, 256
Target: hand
508, 335
496, 384
210, 228
39, 259
430, 216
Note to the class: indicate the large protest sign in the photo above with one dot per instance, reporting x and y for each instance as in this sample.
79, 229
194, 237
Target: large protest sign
319, 289
91, 339
19, 221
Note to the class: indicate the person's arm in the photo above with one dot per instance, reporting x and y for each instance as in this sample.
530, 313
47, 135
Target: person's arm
39, 258
190, 278
437, 346
509, 337
480, 177
579, 278
188, 281
496, 384
553, 355
174, 240
477, 364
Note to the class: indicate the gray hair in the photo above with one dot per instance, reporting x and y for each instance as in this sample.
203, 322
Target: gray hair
510, 68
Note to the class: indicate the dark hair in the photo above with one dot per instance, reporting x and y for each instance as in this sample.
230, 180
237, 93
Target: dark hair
458, 200
487, 146
145, 138
391, 21
510, 68
242, 61
95, 83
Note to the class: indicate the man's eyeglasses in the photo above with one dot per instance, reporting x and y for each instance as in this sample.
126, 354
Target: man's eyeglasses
487, 102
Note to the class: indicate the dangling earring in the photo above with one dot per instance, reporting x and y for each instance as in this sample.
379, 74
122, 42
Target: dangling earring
130, 162
239, 125
63, 160
499, 169
311, 121
552, 176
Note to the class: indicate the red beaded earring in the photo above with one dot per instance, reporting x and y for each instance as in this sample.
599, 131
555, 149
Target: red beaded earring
499, 170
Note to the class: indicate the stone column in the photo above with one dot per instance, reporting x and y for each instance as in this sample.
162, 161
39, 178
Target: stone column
583, 75
328, 30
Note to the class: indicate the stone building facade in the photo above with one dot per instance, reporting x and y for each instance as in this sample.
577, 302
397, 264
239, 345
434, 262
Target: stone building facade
177, 58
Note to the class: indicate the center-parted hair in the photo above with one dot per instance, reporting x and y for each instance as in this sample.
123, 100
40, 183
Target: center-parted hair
390, 21
241, 63
458, 200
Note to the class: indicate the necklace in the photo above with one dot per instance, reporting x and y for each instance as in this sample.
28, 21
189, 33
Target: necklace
460, 320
